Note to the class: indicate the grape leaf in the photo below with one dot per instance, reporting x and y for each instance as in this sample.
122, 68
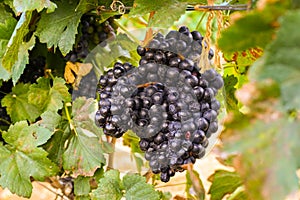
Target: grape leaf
50, 120
108, 187
83, 112
56, 145
223, 183
82, 186
280, 61
194, 186
84, 153
7, 26
264, 176
48, 98
252, 30
23, 6
18, 106
229, 90
86, 5
161, 18
59, 28
22, 159
137, 188
16, 55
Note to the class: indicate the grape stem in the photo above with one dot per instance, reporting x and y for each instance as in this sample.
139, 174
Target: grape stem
169, 185
218, 7
149, 33
5, 121
213, 7
50, 73
110, 164
126, 31
72, 127
50, 190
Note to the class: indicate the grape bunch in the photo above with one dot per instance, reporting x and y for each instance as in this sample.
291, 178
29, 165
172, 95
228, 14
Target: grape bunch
92, 34
166, 101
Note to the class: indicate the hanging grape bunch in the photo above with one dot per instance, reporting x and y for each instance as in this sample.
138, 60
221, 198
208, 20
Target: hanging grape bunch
92, 33
166, 101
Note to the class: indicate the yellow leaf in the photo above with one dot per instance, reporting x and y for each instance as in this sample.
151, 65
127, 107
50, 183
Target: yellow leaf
69, 75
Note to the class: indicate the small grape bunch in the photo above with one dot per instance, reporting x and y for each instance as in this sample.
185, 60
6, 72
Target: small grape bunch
166, 101
92, 33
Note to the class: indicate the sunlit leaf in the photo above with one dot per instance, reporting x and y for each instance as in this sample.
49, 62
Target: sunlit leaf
18, 106
23, 6
21, 158
108, 187
59, 28
84, 154
223, 183
49, 97
161, 18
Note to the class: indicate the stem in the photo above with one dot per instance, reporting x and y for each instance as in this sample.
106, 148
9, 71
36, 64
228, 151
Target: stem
236, 192
110, 164
69, 118
127, 32
61, 196
200, 21
149, 33
213, 7
170, 185
5, 121
50, 73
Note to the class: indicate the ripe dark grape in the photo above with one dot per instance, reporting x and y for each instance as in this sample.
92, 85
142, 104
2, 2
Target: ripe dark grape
166, 101
104, 117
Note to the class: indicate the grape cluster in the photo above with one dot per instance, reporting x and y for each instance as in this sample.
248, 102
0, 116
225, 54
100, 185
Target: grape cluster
104, 117
92, 34
33, 70
166, 101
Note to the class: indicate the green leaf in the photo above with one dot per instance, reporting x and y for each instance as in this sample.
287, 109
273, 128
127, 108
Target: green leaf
82, 186
47, 97
18, 106
23, 6
56, 145
279, 62
108, 187
86, 5
252, 30
229, 90
264, 176
194, 184
83, 112
16, 54
50, 120
161, 18
22, 159
59, 28
84, 153
137, 188
223, 183
7, 26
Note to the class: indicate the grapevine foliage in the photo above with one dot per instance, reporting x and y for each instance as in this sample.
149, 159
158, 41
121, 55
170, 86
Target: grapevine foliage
78, 78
